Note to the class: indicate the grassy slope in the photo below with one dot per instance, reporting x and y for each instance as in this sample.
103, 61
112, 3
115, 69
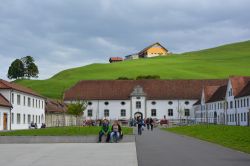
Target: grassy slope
219, 62
235, 137
61, 131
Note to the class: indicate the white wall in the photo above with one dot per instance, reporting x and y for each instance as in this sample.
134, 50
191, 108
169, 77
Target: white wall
26, 110
161, 106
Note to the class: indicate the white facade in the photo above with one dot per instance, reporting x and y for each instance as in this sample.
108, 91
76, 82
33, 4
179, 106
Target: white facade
26, 108
231, 111
139, 105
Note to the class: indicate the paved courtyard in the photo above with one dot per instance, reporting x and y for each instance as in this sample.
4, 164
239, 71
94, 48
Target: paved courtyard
160, 148
157, 148
70, 154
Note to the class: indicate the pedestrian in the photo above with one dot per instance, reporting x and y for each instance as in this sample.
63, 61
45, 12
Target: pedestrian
147, 123
140, 124
151, 122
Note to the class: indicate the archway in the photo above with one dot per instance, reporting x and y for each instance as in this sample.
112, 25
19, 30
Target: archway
137, 114
215, 117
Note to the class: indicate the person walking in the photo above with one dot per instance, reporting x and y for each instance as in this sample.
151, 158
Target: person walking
151, 122
140, 124
147, 123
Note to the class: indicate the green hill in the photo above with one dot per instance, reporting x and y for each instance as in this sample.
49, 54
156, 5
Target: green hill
219, 62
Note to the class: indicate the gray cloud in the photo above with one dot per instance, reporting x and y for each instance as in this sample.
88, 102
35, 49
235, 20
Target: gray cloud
63, 34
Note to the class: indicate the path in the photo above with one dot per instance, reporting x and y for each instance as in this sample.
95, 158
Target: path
87, 154
160, 148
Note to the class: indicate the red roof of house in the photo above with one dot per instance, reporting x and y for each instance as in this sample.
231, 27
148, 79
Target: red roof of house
238, 83
54, 106
4, 102
115, 59
209, 91
219, 94
10, 85
245, 91
154, 89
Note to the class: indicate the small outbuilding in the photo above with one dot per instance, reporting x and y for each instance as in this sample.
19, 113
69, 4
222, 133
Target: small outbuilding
115, 59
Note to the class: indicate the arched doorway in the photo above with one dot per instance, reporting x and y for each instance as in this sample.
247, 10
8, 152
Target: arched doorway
137, 114
215, 117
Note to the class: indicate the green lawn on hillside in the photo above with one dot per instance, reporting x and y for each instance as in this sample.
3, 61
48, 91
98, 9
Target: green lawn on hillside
220, 62
61, 131
235, 137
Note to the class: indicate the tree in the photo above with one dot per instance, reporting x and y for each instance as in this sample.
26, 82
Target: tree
77, 109
16, 69
31, 69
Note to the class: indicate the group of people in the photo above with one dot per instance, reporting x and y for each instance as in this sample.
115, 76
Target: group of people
149, 122
113, 133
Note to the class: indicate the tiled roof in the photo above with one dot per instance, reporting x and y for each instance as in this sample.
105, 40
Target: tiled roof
209, 91
238, 83
219, 94
53, 106
10, 85
4, 102
155, 89
115, 59
245, 91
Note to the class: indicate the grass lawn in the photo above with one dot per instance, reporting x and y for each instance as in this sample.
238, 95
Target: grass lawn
235, 137
61, 131
214, 63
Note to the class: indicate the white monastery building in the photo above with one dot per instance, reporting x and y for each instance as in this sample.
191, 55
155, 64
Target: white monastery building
19, 106
227, 104
126, 99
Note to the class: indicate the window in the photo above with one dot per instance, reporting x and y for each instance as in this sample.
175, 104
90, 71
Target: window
33, 104
18, 99
170, 102
39, 104
244, 103
28, 101
24, 119
89, 103
12, 98
18, 116
138, 104
153, 112
123, 103
106, 113
153, 103
123, 112
24, 100
187, 112
170, 112
241, 117
231, 104
186, 102
106, 103
90, 113
247, 102
245, 117
138, 97
42, 104
12, 118
36, 103
29, 118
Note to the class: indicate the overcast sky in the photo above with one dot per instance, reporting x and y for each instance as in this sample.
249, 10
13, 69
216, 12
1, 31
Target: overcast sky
61, 34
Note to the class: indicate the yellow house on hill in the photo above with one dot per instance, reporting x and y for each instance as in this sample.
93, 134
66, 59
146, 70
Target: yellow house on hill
153, 50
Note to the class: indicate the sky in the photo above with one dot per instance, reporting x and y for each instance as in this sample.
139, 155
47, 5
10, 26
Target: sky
62, 34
